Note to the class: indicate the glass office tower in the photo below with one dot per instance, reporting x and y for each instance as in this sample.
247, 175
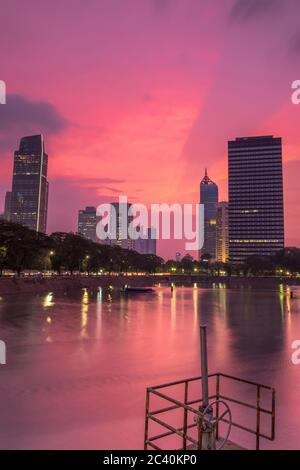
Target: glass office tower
29, 197
256, 219
209, 198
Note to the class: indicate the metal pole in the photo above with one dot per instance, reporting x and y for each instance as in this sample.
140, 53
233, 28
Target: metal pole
204, 368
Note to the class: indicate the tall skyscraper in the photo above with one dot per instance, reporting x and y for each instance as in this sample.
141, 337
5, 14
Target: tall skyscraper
256, 221
222, 232
209, 198
29, 198
87, 222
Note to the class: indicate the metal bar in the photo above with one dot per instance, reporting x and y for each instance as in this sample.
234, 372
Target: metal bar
193, 379
204, 366
175, 407
153, 445
185, 414
247, 405
178, 382
217, 407
257, 416
175, 431
238, 379
146, 419
273, 414
176, 402
243, 428
200, 426
169, 433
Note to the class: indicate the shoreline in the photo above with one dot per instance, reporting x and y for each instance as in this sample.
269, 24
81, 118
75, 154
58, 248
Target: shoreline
56, 284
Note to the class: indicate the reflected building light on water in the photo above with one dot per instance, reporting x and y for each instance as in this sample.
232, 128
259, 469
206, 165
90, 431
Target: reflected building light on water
173, 307
48, 321
84, 312
99, 312
288, 306
48, 300
281, 299
222, 296
195, 307
99, 295
123, 310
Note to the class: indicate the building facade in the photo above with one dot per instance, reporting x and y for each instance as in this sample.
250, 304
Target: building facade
7, 206
146, 245
121, 236
222, 240
209, 199
256, 212
29, 195
87, 222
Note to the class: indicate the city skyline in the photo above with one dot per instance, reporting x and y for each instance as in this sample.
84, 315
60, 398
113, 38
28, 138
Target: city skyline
151, 105
251, 223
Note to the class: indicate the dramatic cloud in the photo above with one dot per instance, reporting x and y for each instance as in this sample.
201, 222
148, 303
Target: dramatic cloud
244, 10
34, 116
21, 116
156, 88
69, 194
294, 44
161, 6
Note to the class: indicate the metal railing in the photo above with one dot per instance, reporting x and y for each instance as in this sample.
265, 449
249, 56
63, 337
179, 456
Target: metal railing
187, 406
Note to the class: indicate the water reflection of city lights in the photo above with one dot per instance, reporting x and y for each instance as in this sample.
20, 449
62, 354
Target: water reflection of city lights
48, 300
281, 298
99, 295
84, 312
173, 310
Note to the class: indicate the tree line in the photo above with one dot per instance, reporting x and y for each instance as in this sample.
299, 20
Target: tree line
284, 262
24, 249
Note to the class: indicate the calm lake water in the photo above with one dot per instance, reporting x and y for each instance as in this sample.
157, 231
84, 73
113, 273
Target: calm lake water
78, 364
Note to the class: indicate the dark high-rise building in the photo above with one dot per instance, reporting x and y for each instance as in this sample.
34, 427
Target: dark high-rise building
29, 198
147, 244
7, 206
209, 198
256, 221
87, 222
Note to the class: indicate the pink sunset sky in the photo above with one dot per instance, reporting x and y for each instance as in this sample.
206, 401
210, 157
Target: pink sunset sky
137, 97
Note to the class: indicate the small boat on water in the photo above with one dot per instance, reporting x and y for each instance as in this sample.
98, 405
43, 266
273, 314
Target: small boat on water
127, 289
